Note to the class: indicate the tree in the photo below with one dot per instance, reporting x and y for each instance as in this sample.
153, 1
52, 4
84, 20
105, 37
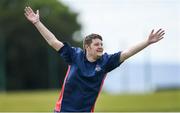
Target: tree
30, 62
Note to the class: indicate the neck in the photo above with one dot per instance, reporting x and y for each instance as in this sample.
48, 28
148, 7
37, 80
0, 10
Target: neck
90, 58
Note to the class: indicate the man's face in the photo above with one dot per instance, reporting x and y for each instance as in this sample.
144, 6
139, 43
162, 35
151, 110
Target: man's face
95, 49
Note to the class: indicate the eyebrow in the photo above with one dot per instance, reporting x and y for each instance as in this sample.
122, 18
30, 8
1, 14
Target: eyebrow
98, 43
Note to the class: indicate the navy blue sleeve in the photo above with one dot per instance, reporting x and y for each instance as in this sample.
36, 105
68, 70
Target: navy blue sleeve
68, 53
113, 62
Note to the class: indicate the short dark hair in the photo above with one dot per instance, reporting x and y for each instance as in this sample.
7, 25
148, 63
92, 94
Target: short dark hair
88, 39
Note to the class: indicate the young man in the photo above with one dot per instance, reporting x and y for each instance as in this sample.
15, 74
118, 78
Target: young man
88, 67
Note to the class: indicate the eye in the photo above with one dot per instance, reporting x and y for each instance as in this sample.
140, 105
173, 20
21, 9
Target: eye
96, 44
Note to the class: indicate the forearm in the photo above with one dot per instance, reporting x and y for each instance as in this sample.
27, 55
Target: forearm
48, 36
153, 38
133, 50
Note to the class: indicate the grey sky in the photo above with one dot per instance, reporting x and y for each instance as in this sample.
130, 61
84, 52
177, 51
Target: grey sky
125, 22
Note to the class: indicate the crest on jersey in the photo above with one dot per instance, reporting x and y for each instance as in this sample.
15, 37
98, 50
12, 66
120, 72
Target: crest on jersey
98, 68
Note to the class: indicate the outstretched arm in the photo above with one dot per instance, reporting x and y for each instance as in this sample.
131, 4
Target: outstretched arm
153, 38
47, 35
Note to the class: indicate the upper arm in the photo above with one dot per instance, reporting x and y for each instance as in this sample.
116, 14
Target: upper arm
113, 61
123, 56
69, 53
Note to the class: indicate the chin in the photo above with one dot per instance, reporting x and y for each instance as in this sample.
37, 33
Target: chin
99, 55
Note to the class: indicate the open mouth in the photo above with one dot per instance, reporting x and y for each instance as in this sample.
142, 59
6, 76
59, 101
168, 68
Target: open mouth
100, 51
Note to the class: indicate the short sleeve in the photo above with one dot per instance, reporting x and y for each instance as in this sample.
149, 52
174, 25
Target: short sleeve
113, 62
68, 53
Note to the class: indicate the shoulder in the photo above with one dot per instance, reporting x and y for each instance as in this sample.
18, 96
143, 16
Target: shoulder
104, 57
77, 49
67, 47
110, 57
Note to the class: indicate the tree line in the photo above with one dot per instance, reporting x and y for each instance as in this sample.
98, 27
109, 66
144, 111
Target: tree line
26, 60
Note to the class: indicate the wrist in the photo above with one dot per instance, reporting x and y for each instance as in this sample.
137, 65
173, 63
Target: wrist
36, 22
147, 42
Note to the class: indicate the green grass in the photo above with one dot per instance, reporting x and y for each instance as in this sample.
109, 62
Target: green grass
28, 101
159, 102
44, 101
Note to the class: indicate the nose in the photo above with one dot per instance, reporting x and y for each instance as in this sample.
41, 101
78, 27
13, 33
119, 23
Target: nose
100, 46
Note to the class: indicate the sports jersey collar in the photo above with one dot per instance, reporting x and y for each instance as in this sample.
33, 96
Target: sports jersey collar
85, 58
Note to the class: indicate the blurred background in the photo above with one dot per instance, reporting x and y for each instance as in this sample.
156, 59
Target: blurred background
32, 73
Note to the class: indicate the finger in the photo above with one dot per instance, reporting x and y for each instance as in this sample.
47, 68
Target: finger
29, 9
161, 35
152, 32
160, 38
26, 15
158, 31
26, 10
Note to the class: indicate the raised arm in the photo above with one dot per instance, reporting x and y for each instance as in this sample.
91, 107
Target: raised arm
47, 35
153, 38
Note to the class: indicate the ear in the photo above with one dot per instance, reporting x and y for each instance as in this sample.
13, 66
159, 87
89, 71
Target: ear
86, 46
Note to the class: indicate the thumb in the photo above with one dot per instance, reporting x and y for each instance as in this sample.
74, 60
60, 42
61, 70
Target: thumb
152, 31
37, 12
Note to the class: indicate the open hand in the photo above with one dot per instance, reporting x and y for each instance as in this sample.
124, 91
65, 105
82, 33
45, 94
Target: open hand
155, 37
31, 16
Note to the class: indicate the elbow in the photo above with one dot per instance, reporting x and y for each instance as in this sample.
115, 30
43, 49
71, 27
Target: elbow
124, 55
52, 42
55, 44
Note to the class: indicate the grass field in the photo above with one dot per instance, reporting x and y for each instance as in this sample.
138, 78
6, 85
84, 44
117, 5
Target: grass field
44, 101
